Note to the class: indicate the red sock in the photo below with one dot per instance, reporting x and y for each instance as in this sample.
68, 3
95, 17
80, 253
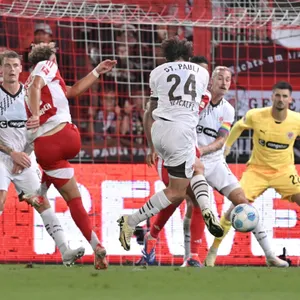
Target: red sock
161, 219
81, 219
197, 229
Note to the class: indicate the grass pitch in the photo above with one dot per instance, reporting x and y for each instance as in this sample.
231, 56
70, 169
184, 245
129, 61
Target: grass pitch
46, 282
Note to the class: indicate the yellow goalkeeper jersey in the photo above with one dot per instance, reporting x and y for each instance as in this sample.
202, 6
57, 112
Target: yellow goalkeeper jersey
272, 141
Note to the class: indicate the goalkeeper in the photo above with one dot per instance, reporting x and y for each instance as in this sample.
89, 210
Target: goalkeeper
271, 164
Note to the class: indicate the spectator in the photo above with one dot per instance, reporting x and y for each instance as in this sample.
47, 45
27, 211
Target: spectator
132, 131
105, 123
42, 34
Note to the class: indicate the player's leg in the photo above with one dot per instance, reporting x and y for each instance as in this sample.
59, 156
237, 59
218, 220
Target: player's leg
187, 230
59, 172
29, 183
235, 194
161, 219
220, 177
70, 192
172, 144
193, 231
200, 190
5, 180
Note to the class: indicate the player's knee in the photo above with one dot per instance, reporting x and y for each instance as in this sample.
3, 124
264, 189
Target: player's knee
175, 195
235, 194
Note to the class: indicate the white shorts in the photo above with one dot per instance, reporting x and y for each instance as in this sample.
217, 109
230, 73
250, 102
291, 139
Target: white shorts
176, 145
218, 175
27, 182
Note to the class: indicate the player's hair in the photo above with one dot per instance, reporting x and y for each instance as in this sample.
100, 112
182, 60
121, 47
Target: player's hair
9, 54
218, 69
41, 52
282, 85
175, 49
199, 60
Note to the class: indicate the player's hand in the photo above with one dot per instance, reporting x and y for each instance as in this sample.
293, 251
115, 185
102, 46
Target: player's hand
21, 159
17, 169
151, 158
105, 66
33, 123
227, 151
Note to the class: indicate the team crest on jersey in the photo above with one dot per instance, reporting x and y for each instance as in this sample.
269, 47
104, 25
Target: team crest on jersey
290, 135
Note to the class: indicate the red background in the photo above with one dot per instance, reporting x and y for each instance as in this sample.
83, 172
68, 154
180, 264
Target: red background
16, 223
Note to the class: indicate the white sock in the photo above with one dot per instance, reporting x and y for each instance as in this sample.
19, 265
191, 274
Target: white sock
200, 189
263, 240
54, 229
187, 237
157, 202
94, 241
1, 212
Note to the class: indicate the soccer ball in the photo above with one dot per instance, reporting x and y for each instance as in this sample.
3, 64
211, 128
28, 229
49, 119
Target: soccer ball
244, 217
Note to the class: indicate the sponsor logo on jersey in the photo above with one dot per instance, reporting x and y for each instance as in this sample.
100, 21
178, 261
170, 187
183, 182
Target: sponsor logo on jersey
46, 107
13, 124
276, 146
208, 131
273, 145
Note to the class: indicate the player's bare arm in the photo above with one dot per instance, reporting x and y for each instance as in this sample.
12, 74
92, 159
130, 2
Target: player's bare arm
34, 96
86, 82
234, 134
19, 158
147, 122
216, 145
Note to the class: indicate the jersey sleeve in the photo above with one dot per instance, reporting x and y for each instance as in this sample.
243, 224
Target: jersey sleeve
153, 88
46, 69
247, 120
204, 101
228, 119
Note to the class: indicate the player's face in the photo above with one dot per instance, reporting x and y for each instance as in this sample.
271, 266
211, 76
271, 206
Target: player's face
11, 69
281, 99
221, 82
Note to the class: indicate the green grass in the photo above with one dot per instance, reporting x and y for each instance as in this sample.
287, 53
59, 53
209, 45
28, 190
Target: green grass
46, 282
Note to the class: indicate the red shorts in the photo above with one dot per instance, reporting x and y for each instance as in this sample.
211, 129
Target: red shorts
163, 172
54, 151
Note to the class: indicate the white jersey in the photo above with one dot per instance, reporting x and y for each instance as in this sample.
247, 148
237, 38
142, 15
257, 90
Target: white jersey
211, 120
54, 105
178, 87
12, 122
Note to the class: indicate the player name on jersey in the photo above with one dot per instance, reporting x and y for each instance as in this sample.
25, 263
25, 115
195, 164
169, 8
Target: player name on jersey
183, 66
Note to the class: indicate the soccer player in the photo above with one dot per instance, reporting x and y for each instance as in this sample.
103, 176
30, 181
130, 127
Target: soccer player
55, 138
271, 164
17, 164
212, 130
176, 91
193, 217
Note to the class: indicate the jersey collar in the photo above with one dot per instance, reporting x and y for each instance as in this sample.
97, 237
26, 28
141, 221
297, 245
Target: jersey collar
8, 93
